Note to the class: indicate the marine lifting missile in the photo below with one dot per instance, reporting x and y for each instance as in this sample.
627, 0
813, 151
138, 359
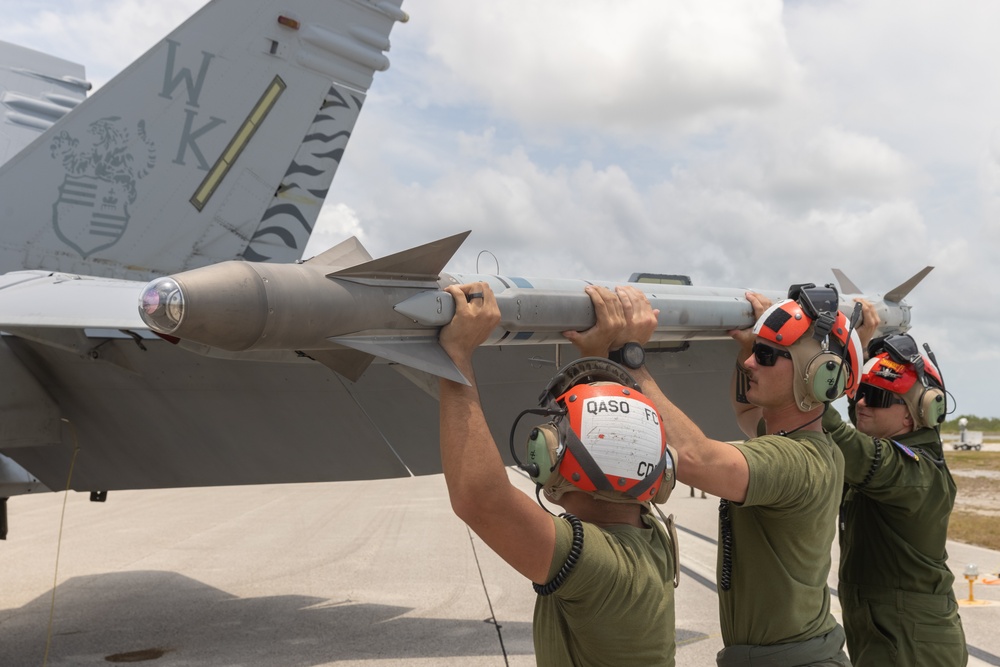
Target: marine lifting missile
343, 308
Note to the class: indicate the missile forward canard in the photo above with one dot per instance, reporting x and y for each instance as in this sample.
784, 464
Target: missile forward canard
343, 301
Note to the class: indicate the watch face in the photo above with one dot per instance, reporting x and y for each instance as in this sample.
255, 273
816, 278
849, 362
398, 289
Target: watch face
633, 355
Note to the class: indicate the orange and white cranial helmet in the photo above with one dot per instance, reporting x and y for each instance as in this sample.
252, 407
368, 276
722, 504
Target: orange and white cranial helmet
826, 351
607, 438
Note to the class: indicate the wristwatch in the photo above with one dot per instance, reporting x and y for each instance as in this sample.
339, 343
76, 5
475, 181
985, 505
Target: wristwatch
631, 355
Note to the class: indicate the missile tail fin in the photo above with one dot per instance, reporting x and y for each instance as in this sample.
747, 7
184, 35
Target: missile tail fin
421, 263
349, 363
423, 353
847, 285
896, 294
344, 254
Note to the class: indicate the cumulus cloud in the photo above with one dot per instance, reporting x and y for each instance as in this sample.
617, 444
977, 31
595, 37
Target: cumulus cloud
629, 66
336, 223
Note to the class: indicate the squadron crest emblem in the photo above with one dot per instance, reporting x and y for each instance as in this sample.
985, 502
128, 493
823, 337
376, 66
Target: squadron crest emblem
103, 171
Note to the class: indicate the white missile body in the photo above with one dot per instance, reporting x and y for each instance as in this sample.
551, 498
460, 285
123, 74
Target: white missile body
343, 308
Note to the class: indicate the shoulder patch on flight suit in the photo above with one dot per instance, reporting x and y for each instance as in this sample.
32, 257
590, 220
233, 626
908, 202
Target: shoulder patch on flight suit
906, 450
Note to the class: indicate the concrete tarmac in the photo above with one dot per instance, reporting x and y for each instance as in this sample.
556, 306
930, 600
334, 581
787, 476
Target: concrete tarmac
374, 573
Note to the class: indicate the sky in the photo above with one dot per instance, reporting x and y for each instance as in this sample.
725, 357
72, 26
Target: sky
744, 144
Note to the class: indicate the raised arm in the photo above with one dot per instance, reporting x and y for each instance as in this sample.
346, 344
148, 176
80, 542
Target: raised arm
510, 522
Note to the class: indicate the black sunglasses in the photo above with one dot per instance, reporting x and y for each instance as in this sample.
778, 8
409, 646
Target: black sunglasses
876, 397
765, 355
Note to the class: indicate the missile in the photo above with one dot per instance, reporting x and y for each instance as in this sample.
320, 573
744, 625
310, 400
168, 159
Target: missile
343, 308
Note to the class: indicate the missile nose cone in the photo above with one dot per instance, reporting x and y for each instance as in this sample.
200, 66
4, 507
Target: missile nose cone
161, 305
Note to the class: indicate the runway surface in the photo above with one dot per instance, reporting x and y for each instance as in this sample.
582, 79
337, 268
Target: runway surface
352, 573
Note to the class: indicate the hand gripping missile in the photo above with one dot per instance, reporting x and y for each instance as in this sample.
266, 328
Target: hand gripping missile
344, 308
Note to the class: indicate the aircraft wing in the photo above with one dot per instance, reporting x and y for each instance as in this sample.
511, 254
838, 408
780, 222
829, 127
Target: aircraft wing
41, 299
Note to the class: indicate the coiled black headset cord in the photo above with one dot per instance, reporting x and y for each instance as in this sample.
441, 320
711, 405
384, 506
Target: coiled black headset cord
574, 555
726, 528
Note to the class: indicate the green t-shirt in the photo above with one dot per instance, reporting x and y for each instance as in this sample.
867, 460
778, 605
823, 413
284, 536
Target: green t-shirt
780, 541
617, 605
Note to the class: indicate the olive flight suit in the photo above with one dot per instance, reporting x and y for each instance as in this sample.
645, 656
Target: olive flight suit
895, 585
